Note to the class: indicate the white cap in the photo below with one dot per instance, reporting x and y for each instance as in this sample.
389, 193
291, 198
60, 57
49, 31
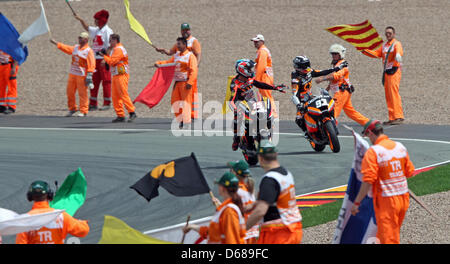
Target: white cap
258, 37
84, 35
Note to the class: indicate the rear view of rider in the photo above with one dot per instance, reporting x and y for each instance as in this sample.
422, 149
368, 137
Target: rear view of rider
241, 85
301, 80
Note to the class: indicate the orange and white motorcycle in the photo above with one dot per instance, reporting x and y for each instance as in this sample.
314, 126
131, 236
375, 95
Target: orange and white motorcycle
321, 126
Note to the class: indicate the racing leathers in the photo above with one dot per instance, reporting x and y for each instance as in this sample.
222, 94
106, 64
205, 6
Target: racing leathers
241, 91
301, 88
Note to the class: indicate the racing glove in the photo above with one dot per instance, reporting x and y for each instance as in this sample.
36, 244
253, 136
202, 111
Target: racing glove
89, 83
281, 88
300, 106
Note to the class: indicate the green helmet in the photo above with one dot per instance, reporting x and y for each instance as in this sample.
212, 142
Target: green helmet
185, 26
39, 188
228, 180
240, 167
267, 147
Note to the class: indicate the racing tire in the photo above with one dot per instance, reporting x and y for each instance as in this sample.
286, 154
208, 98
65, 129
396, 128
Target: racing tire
250, 159
317, 147
332, 137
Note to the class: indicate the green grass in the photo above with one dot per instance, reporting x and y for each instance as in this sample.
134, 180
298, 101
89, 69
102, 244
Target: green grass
432, 181
321, 214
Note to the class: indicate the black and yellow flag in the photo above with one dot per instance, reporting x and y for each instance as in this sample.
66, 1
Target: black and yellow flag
180, 177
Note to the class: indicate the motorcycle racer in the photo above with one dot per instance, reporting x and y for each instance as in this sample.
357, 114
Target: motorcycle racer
301, 81
241, 87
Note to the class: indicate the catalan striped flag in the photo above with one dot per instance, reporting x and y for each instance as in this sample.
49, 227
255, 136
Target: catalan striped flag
362, 36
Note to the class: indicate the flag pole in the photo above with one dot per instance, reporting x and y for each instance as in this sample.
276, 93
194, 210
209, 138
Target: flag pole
420, 202
187, 223
50, 33
67, 2
214, 199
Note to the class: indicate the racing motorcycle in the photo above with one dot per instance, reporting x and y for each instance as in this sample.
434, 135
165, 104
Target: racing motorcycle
253, 111
321, 128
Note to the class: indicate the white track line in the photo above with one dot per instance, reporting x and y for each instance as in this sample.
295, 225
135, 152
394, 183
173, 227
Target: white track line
214, 131
192, 132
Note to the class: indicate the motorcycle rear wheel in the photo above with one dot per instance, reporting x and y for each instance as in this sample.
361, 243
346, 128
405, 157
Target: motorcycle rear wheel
250, 159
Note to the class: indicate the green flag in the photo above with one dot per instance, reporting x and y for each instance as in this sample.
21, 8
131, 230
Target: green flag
72, 193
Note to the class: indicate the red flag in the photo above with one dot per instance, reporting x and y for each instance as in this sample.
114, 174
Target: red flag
157, 87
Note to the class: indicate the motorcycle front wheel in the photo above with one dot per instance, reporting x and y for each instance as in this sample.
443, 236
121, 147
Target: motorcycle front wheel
317, 147
332, 137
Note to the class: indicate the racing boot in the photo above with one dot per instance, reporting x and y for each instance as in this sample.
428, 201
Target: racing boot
235, 144
301, 124
132, 117
119, 119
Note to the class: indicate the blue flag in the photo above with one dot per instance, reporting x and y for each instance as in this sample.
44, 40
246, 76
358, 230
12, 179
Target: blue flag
361, 228
9, 43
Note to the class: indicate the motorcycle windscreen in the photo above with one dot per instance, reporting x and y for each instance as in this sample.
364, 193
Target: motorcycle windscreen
331, 105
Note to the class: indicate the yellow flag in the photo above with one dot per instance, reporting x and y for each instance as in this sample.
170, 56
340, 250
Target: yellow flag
134, 24
115, 231
225, 106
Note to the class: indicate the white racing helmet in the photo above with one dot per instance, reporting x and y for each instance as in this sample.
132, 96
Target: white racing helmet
337, 48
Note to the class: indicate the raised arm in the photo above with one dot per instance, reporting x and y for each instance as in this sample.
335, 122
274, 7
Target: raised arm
171, 60
372, 53
315, 73
65, 48
83, 23
266, 86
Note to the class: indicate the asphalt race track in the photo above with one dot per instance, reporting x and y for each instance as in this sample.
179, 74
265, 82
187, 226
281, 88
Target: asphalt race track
114, 156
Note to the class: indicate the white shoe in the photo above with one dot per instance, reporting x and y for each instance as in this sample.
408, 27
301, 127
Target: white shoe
81, 115
70, 113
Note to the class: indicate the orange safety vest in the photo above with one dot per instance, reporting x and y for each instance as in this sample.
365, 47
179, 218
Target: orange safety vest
54, 232
340, 78
217, 232
286, 203
388, 175
190, 41
182, 66
267, 70
247, 199
396, 51
79, 61
196, 49
186, 66
121, 66
395, 54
